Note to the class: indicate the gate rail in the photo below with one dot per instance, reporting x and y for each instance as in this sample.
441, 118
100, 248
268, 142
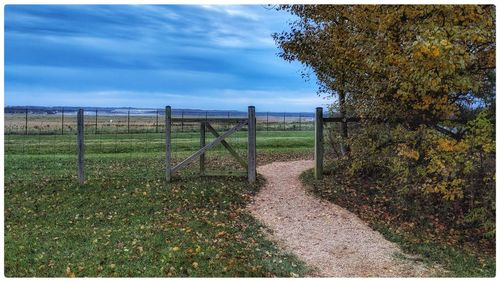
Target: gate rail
250, 164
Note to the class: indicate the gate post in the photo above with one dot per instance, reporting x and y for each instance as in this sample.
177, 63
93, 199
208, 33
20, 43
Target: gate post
80, 146
318, 144
168, 135
251, 170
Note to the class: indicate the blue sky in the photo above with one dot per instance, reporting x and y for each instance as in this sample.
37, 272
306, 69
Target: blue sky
203, 57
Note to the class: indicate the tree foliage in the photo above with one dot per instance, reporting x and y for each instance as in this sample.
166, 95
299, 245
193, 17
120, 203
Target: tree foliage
423, 79
419, 63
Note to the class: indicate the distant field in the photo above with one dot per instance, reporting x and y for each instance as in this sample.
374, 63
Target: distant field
126, 221
57, 124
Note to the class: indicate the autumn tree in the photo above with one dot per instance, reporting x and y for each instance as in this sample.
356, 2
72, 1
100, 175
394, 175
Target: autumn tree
416, 63
421, 77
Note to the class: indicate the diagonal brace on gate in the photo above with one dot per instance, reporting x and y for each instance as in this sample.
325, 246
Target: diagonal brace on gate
227, 146
212, 144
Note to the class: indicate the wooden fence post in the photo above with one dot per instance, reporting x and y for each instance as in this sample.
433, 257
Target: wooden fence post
80, 145
182, 121
62, 122
26, 123
168, 126
318, 144
267, 121
156, 121
128, 121
284, 121
202, 144
251, 145
300, 121
95, 121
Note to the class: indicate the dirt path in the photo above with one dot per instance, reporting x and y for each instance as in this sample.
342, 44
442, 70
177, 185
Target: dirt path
327, 237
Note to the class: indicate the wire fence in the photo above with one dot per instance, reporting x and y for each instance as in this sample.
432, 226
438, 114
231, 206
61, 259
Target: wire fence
127, 143
98, 121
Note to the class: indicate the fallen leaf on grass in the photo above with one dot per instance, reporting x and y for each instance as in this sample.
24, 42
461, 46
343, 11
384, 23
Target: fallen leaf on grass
69, 273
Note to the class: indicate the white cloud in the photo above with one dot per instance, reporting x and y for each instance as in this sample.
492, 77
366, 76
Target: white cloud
233, 11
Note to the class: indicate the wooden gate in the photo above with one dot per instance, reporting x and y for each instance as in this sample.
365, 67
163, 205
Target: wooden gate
205, 125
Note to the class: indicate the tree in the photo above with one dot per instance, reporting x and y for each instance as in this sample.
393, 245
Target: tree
417, 63
422, 78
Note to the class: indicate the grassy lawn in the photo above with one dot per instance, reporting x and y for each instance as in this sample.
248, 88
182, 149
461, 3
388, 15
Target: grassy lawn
126, 221
454, 258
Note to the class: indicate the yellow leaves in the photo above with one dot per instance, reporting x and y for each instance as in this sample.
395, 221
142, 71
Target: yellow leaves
435, 51
426, 48
187, 229
450, 190
435, 83
175, 249
407, 152
456, 182
426, 100
396, 59
171, 271
401, 93
446, 144
489, 147
195, 264
450, 164
69, 272
453, 194
449, 145
444, 42
439, 187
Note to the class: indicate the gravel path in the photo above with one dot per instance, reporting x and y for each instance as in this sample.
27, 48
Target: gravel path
332, 240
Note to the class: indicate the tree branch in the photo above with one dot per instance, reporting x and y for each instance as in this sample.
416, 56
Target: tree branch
456, 136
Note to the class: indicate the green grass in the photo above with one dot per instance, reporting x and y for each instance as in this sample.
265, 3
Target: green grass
457, 262
450, 260
126, 221
151, 142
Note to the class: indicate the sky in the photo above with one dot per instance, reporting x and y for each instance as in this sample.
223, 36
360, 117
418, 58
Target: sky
148, 56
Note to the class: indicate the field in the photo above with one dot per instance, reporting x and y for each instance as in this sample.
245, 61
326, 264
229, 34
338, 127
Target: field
126, 221
103, 122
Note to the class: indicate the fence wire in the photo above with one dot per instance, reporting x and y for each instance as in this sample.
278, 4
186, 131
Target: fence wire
332, 138
126, 143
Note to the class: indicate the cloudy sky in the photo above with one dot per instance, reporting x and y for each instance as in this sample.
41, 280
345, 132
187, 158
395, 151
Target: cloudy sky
204, 57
